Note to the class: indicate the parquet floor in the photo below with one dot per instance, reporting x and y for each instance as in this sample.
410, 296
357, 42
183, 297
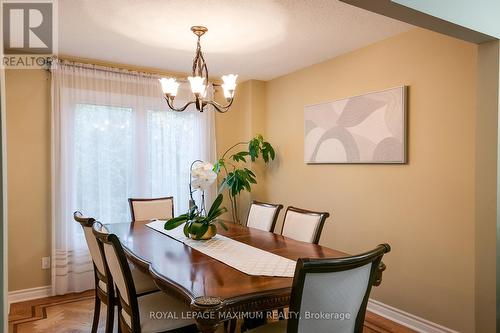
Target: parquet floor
73, 313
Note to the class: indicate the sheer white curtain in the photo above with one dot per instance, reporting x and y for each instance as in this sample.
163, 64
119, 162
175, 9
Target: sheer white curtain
113, 137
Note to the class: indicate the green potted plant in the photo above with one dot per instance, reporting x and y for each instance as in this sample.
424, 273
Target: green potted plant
237, 177
202, 225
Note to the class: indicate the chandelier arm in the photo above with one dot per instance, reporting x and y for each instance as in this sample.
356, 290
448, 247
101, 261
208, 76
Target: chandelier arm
171, 105
219, 107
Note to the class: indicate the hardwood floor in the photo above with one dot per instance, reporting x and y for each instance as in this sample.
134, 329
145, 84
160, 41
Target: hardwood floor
72, 313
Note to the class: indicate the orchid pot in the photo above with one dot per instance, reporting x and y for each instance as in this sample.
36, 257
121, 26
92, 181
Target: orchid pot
210, 233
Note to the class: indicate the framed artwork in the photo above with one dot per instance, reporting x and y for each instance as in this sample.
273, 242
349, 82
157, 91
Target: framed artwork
369, 128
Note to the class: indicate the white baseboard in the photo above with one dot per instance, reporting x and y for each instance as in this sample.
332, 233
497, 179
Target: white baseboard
406, 319
29, 294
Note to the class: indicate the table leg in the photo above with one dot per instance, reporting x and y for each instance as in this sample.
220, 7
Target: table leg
208, 310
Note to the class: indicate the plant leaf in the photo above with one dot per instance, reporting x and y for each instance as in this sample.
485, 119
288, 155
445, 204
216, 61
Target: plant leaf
250, 172
215, 205
265, 155
272, 153
217, 166
253, 149
218, 213
240, 156
186, 229
175, 222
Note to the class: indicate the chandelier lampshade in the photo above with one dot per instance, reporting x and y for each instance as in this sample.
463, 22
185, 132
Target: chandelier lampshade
197, 85
169, 86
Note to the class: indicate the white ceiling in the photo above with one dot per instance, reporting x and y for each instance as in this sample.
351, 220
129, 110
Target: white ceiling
258, 39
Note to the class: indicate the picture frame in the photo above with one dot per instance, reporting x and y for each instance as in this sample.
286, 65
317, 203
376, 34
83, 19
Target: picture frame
364, 129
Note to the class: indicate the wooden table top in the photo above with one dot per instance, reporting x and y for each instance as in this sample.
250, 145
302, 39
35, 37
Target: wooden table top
192, 274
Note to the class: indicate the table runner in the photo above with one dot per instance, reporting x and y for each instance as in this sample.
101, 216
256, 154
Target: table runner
241, 256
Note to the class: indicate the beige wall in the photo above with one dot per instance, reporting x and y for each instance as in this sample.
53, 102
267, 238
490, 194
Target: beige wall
243, 122
425, 209
28, 171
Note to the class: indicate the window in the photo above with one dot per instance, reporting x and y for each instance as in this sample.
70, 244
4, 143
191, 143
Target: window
118, 155
104, 160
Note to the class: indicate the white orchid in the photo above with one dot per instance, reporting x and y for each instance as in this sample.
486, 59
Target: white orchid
202, 175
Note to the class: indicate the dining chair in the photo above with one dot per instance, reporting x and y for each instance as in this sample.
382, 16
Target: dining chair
104, 288
303, 225
134, 313
330, 295
263, 215
151, 208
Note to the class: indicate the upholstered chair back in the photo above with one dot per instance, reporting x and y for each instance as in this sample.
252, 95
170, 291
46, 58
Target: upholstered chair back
149, 209
303, 225
330, 295
263, 216
86, 223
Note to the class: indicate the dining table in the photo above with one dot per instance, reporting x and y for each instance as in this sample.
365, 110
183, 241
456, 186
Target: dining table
214, 291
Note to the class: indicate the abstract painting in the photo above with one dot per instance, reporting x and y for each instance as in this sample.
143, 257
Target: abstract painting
370, 128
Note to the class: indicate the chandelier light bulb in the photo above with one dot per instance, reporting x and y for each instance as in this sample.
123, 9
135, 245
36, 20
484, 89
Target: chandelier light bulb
197, 84
169, 86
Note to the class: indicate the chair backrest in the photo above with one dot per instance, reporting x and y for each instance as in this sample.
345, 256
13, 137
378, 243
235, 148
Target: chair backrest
151, 208
330, 295
119, 269
303, 225
263, 215
99, 268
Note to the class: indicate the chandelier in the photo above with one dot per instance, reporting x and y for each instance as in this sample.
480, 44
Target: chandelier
199, 82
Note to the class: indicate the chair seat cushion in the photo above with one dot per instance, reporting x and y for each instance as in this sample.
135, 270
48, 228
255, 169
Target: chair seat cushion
274, 327
157, 313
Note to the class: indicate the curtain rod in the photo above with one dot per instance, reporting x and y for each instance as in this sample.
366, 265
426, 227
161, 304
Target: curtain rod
101, 68
111, 69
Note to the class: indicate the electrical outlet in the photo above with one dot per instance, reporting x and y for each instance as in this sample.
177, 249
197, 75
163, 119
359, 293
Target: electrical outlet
45, 262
